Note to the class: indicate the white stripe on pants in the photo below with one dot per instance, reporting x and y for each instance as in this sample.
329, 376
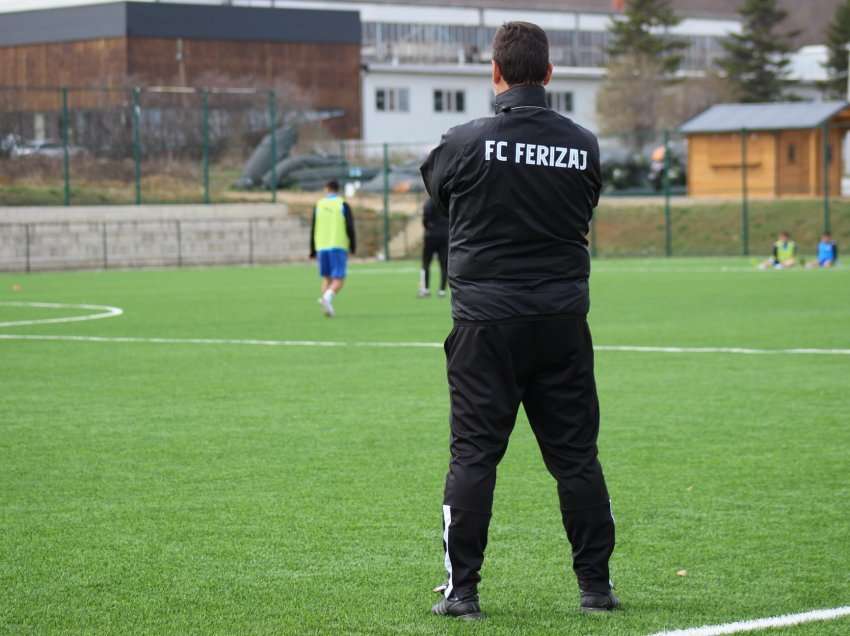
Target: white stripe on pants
447, 520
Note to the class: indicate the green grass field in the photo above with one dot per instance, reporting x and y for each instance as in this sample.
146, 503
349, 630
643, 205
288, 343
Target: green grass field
235, 488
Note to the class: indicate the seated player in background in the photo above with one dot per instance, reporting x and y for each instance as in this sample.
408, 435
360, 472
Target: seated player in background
784, 253
436, 242
827, 252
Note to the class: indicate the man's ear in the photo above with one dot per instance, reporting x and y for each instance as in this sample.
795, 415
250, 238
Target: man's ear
497, 73
548, 75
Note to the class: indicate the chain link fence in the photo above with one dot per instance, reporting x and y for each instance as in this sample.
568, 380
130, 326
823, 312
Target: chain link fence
69, 146
724, 195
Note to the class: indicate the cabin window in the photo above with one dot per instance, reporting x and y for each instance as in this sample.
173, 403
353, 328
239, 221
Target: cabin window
792, 153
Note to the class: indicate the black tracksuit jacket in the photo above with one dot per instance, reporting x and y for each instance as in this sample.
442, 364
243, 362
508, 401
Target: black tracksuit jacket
519, 189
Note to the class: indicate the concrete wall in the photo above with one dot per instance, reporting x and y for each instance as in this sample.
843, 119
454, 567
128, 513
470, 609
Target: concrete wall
35, 239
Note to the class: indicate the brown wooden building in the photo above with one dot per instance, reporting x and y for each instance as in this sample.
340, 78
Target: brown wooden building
777, 148
311, 57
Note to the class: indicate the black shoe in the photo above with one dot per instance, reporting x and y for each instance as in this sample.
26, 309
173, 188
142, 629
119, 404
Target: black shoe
599, 602
466, 609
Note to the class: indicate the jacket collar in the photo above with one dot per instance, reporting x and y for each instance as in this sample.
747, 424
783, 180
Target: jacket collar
524, 95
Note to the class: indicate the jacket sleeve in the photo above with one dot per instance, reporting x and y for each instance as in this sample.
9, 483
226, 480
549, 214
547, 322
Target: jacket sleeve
596, 175
349, 228
313, 235
437, 173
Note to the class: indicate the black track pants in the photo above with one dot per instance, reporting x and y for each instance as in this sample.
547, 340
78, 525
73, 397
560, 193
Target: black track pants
440, 247
547, 366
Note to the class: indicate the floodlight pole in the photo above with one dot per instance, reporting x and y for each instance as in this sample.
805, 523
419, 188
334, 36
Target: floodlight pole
66, 167
386, 211
205, 152
668, 235
137, 143
745, 212
273, 140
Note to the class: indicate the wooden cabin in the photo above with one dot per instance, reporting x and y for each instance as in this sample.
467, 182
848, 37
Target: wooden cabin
774, 150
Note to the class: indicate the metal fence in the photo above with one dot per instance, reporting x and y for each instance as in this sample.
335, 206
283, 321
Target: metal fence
161, 145
685, 199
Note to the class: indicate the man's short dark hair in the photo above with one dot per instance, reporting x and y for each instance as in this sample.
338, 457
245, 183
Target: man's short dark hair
521, 50
332, 185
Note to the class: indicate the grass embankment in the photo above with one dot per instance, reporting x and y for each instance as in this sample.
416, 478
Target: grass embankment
704, 228
624, 227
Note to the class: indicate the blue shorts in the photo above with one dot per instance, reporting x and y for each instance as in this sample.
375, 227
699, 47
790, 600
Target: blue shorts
823, 261
332, 262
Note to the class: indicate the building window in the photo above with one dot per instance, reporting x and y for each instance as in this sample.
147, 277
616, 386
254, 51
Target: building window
792, 153
446, 101
560, 101
392, 100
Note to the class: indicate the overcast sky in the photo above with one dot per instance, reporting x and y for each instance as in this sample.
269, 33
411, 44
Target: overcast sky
23, 5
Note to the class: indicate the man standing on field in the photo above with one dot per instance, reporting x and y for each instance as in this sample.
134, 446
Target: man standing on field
519, 189
331, 239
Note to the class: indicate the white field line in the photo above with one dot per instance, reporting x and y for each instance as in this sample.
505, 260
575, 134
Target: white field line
400, 344
733, 350
104, 311
786, 620
723, 269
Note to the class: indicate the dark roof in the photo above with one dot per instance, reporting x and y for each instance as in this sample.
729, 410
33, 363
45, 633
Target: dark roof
774, 116
165, 20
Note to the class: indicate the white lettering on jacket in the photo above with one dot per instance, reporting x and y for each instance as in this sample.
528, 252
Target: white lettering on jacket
536, 155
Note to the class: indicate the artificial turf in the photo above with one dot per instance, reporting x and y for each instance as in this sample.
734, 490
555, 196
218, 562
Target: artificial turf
249, 489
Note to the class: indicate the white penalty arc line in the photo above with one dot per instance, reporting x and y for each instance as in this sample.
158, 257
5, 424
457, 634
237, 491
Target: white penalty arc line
103, 311
786, 620
400, 345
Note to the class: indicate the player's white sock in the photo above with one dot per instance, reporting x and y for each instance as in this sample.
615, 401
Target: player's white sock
327, 303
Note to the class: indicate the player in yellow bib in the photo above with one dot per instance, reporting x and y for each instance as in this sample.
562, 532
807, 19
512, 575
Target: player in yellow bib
784, 253
331, 240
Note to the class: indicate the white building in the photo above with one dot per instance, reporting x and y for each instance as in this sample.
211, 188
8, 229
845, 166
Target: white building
419, 102
426, 64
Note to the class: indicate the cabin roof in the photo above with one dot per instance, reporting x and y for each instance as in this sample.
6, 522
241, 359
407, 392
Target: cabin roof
772, 116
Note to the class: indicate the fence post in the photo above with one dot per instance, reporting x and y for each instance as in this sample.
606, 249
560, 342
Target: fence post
137, 144
273, 133
179, 244
826, 161
250, 241
205, 133
66, 160
104, 245
386, 172
745, 211
593, 250
27, 232
668, 230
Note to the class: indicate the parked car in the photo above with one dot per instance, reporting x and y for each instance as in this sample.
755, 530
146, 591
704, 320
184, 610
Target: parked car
44, 148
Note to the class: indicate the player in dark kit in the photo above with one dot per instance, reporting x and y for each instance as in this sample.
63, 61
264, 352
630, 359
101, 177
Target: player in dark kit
519, 189
436, 242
